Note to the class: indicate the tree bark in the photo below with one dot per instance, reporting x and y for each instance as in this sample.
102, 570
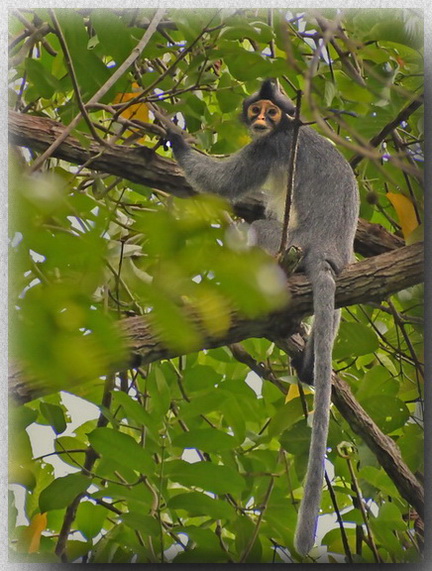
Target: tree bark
139, 164
370, 280
384, 448
143, 166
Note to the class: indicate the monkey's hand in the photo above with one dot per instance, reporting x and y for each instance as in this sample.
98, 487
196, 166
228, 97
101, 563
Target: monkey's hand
179, 139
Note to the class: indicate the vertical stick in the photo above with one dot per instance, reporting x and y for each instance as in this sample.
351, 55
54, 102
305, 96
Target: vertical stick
291, 173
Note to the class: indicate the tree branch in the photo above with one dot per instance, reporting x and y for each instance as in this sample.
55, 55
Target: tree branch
403, 115
143, 166
384, 447
370, 280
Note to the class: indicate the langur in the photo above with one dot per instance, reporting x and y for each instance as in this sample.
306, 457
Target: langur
322, 222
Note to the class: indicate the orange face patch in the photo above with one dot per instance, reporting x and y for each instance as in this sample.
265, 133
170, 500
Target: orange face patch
264, 112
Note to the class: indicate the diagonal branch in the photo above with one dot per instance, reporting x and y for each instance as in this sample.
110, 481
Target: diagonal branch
403, 115
143, 166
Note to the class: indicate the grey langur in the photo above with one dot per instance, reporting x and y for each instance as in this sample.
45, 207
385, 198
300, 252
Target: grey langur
323, 221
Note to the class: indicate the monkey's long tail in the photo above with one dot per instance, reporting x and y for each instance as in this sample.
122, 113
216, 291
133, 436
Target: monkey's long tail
323, 300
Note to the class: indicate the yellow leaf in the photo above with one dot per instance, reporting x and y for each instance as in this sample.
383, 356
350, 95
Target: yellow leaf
405, 211
138, 111
32, 534
293, 393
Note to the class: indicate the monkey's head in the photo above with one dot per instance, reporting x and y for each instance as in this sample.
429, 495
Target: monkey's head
267, 109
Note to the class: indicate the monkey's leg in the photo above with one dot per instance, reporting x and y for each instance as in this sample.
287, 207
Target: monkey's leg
266, 234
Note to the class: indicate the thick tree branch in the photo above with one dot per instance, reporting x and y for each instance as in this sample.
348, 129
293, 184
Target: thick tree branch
139, 165
142, 165
384, 447
370, 280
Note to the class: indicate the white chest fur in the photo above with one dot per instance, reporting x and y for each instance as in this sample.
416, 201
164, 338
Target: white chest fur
274, 190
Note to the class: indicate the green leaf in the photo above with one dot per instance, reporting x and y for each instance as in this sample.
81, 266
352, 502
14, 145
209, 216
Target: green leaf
143, 523
391, 516
90, 518
377, 381
208, 548
286, 416
41, 78
20, 417
199, 504
411, 445
64, 443
354, 339
200, 378
296, 440
227, 98
136, 412
378, 478
245, 65
108, 27
62, 491
54, 415
206, 475
122, 448
244, 531
207, 439
350, 90
388, 412
76, 549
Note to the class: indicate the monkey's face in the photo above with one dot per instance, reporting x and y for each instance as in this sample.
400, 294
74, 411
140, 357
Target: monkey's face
263, 117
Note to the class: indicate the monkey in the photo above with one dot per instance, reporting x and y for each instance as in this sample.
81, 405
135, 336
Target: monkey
322, 223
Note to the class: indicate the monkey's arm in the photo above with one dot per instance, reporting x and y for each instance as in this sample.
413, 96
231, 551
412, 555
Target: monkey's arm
232, 177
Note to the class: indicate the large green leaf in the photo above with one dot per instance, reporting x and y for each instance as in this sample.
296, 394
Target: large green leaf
206, 475
90, 518
62, 491
207, 439
54, 415
199, 504
43, 81
354, 339
388, 412
108, 27
122, 448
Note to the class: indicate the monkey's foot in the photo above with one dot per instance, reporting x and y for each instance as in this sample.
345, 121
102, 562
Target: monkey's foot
290, 259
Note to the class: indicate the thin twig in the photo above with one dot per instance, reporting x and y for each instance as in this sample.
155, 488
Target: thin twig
71, 70
136, 52
91, 457
254, 535
339, 518
345, 453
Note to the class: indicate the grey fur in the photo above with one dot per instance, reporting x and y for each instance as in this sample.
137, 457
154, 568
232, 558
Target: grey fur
323, 221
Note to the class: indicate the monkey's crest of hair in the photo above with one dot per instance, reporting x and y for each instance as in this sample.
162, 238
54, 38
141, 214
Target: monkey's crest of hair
269, 90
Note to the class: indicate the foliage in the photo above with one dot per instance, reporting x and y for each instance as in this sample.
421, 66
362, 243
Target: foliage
196, 458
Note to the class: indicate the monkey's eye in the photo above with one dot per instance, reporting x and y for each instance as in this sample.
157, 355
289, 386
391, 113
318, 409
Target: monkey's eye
255, 109
272, 112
